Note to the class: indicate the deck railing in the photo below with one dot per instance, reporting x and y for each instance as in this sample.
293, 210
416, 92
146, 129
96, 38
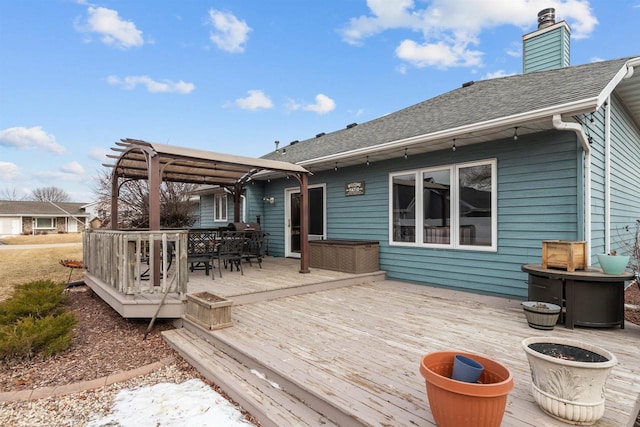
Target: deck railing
126, 260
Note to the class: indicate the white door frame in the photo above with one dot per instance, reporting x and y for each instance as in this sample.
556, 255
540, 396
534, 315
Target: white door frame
287, 218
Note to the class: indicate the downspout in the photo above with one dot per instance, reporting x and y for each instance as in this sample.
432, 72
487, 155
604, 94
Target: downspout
584, 142
607, 176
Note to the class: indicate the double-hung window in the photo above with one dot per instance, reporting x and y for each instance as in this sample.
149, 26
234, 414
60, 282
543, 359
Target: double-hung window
220, 207
452, 206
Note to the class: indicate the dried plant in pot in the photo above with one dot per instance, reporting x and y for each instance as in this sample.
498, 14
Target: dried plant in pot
541, 315
568, 378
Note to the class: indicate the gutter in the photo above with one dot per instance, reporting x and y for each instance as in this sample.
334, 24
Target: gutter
584, 105
584, 142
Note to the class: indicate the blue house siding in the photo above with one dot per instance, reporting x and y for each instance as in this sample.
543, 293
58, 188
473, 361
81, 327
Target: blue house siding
538, 200
625, 171
546, 51
206, 212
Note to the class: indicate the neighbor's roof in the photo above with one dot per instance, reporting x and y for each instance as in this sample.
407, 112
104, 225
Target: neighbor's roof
475, 113
30, 208
179, 164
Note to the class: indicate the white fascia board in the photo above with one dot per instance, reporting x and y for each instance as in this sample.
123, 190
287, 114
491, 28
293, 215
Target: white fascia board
584, 105
620, 75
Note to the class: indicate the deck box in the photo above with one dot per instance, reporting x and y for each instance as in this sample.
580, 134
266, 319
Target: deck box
348, 256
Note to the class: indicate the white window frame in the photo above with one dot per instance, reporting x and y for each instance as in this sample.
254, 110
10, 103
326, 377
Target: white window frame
220, 214
454, 207
53, 223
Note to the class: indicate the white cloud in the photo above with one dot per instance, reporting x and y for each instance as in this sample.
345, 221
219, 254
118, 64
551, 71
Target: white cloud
153, 86
9, 171
291, 105
73, 168
497, 74
113, 30
255, 101
323, 105
29, 138
99, 154
230, 34
451, 28
438, 55
52, 176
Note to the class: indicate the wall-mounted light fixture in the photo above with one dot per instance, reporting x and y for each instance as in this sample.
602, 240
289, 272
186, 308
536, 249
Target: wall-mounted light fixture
271, 200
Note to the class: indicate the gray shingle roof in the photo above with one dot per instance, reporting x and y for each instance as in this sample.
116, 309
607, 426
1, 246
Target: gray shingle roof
26, 208
483, 101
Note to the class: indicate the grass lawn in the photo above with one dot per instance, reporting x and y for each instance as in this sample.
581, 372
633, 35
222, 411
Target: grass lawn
42, 239
25, 265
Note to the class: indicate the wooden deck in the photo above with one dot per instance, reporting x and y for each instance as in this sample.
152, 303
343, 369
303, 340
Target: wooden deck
329, 348
278, 277
350, 355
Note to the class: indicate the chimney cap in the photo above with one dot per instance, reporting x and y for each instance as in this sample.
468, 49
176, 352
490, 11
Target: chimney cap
546, 17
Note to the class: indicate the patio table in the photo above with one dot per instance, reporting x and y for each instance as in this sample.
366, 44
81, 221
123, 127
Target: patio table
588, 297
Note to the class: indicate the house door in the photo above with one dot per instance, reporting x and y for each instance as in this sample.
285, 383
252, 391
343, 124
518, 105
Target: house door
317, 218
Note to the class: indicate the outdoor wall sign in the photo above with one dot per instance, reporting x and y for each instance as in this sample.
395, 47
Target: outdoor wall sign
354, 188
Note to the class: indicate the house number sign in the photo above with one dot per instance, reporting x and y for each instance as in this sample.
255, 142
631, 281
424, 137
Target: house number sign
354, 188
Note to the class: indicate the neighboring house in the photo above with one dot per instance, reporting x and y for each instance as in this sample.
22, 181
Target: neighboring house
27, 217
461, 190
215, 208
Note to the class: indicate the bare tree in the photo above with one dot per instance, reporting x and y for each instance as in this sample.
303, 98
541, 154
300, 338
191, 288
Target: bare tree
49, 194
11, 194
177, 209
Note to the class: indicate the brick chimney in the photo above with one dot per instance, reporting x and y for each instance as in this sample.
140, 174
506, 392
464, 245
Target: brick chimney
548, 47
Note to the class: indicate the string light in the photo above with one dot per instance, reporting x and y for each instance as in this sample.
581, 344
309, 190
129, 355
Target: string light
368, 163
515, 134
405, 153
336, 167
454, 145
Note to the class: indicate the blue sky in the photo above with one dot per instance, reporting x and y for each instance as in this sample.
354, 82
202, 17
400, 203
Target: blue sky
234, 76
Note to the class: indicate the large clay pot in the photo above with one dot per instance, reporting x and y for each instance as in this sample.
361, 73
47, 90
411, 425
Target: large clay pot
569, 390
461, 404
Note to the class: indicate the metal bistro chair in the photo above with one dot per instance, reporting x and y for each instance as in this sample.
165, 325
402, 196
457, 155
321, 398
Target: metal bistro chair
229, 251
253, 247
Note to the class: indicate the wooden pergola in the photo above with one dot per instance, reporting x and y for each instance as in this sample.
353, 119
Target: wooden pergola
139, 159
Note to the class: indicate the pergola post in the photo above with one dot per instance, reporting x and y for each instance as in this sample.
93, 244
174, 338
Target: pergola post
237, 192
154, 210
304, 223
115, 190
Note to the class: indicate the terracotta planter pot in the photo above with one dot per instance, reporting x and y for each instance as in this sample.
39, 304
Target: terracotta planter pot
460, 404
570, 390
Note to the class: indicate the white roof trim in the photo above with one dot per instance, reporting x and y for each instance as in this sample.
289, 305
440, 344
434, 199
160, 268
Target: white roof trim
585, 105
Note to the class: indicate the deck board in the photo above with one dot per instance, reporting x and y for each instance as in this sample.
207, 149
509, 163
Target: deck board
356, 340
360, 346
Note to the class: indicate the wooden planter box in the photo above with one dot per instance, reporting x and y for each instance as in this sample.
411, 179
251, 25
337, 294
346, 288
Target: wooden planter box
208, 310
567, 254
348, 256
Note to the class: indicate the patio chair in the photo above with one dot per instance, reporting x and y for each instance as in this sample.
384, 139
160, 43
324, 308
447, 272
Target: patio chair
201, 246
253, 247
229, 251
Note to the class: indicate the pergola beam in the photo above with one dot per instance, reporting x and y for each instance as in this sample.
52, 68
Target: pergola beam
158, 162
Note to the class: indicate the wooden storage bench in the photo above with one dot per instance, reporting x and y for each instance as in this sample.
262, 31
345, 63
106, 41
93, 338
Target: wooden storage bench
349, 256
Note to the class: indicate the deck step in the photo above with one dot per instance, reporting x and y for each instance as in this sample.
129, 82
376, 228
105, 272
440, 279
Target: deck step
269, 396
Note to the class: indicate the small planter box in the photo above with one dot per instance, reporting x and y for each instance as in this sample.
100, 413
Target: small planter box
208, 310
567, 254
348, 256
